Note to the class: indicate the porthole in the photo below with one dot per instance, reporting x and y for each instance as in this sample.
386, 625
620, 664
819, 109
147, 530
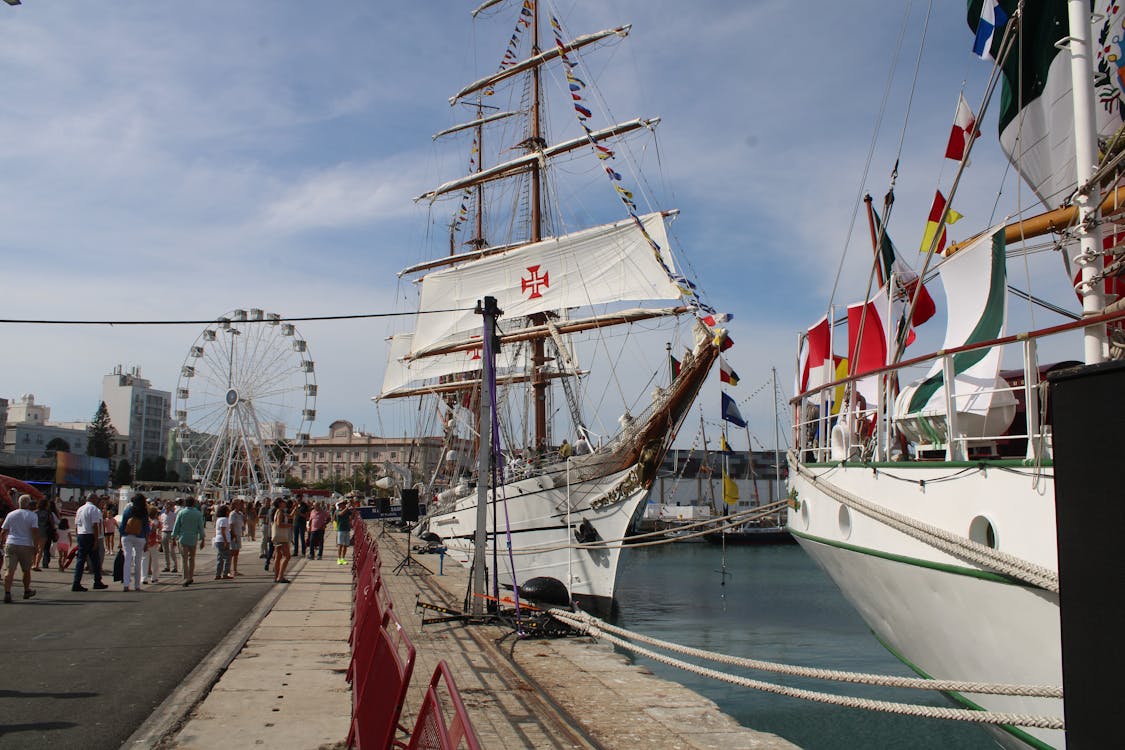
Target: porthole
844, 518
981, 531
804, 515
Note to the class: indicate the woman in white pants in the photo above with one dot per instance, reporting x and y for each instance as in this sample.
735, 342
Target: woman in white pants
135, 528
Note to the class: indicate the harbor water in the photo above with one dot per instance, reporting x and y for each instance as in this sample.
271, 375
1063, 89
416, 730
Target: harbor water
776, 605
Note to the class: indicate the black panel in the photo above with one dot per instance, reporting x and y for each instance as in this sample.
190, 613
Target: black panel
1088, 405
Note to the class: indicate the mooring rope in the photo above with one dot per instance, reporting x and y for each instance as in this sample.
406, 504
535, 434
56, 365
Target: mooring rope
708, 526
905, 709
953, 544
859, 678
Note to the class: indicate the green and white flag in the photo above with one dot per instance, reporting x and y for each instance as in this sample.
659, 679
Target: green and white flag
975, 282
1037, 131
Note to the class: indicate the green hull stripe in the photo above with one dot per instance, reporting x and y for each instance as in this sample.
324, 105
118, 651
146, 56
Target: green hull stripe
988, 327
1010, 463
984, 575
1020, 734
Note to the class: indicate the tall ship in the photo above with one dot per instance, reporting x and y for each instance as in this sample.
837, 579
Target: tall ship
584, 415
923, 482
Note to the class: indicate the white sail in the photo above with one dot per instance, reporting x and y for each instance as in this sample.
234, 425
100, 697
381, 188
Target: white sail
975, 282
402, 373
610, 263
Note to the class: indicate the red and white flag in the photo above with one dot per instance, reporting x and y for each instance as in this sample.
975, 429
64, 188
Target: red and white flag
816, 366
868, 351
962, 132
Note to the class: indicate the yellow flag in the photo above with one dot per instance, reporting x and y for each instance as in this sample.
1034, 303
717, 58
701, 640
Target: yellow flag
838, 391
730, 490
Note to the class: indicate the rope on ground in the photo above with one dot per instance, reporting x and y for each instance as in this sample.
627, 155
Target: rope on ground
859, 678
953, 544
905, 709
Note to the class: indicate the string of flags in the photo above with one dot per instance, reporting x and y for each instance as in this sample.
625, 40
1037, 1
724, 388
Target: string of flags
989, 31
583, 113
511, 56
466, 195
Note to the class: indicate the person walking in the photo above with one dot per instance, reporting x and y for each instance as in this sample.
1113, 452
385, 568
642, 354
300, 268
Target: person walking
167, 521
250, 515
88, 527
300, 526
20, 537
109, 524
46, 522
222, 543
282, 523
237, 529
135, 528
152, 544
188, 532
264, 513
318, 520
343, 532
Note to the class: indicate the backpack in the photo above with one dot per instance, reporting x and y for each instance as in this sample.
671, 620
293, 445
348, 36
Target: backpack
133, 527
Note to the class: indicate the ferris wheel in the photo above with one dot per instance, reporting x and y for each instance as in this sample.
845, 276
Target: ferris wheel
246, 396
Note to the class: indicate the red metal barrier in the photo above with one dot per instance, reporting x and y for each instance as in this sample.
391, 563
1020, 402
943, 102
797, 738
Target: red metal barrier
434, 729
382, 668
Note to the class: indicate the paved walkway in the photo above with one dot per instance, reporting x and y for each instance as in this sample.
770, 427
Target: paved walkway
282, 679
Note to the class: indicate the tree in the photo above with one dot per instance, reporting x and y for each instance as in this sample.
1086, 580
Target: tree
55, 445
123, 474
153, 469
99, 435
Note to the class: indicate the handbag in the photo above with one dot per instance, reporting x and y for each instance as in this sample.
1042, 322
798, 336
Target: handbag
119, 566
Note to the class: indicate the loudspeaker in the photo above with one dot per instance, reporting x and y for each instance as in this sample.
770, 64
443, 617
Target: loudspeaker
410, 505
383, 505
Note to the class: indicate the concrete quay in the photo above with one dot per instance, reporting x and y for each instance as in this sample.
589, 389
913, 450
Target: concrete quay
278, 680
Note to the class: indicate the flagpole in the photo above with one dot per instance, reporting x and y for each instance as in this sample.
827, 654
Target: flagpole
776, 439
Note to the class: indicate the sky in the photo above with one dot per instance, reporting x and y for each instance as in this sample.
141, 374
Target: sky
176, 161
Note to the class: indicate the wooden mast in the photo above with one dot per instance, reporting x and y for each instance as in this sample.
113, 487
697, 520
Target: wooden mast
538, 357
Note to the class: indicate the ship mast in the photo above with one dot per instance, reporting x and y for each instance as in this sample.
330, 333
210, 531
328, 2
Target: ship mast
538, 357
1090, 259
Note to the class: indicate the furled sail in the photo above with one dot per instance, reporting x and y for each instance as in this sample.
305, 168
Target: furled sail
605, 264
401, 373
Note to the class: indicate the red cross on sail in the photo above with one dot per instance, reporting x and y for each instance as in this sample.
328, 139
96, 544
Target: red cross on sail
535, 283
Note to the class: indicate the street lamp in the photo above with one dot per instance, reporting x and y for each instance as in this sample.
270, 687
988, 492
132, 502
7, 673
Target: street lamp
12, 2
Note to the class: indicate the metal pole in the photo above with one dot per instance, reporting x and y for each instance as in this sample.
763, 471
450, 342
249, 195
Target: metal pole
1090, 259
489, 312
776, 441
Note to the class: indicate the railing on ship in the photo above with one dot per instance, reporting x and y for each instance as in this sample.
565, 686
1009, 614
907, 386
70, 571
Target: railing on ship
830, 425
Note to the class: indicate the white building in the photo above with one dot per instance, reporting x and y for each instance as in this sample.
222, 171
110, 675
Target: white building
28, 429
139, 412
25, 411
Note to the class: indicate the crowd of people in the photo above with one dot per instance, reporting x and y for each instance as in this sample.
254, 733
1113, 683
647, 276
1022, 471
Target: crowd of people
150, 532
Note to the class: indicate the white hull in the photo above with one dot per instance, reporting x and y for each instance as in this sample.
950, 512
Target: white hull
943, 616
543, 533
